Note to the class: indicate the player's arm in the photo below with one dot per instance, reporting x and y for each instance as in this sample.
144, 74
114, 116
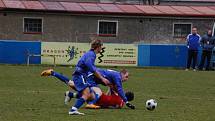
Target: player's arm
98, 75
188, 40
108, 92
90, 64
111, 91
200, 39
121, 93
213, 41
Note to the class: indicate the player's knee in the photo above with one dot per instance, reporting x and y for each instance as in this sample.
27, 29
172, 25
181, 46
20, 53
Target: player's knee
86, 94
91, 97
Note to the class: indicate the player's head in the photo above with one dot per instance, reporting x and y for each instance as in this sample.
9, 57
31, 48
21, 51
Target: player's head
194, 30
96, 45
209, 32
129, 95
124, 74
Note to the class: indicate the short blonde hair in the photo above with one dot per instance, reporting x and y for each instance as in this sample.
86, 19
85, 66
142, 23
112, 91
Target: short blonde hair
124, 71
96, 43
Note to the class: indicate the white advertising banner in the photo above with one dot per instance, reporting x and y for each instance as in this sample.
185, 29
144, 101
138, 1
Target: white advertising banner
69, 53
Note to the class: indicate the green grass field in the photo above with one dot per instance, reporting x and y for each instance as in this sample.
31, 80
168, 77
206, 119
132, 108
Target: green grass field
181, 96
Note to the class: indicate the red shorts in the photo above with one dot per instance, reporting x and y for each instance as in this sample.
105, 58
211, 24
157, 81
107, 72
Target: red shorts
110, 100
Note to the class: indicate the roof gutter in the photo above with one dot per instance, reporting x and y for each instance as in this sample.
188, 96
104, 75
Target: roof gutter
109, 14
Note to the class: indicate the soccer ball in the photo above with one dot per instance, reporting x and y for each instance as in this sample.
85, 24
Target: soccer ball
151, 104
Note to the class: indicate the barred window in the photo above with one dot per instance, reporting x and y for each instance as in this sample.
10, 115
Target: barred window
32, 25
182, 30
107, 28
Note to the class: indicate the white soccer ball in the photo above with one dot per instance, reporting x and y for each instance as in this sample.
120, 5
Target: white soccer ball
151, 104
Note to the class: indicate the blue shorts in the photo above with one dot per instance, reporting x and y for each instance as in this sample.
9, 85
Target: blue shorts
80, 82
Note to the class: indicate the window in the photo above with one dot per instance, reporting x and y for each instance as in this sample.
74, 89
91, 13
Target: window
32, 25
107, 28
181, 30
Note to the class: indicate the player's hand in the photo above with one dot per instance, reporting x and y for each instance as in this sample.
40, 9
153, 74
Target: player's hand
106, 82
130, 105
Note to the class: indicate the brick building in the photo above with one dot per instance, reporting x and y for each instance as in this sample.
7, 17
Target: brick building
116, 23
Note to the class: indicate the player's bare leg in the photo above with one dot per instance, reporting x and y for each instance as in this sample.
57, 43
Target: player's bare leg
66, 80
86, 96
97, 92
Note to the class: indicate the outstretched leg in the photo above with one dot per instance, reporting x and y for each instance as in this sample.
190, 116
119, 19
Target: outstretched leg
64, 79
51, 72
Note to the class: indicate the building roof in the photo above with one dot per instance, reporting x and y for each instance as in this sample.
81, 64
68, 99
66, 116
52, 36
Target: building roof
187, 0
104, 8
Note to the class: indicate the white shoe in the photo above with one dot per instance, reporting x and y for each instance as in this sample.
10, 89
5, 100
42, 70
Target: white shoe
194, 69
67, 98
186, 69
75, 112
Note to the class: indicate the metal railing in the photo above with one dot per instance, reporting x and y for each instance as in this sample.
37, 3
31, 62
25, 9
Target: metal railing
38, 55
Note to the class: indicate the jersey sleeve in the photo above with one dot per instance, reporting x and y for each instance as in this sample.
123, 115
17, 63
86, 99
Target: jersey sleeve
118, 83
188, 37
90, 64
213, 41
200, 38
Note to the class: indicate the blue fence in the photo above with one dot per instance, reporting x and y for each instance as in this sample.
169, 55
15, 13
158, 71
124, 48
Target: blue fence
162, 55
15, 52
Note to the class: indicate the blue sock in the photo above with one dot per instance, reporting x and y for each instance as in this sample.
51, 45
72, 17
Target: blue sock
95, 100
78, 95
79, 102
60, 76
73, 95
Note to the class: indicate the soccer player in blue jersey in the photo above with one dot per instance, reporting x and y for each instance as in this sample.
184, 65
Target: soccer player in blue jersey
115, 78
85, 65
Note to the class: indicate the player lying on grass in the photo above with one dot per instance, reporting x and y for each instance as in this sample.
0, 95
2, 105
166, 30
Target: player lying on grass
105, 100
115, 79
110, 99
116, 95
